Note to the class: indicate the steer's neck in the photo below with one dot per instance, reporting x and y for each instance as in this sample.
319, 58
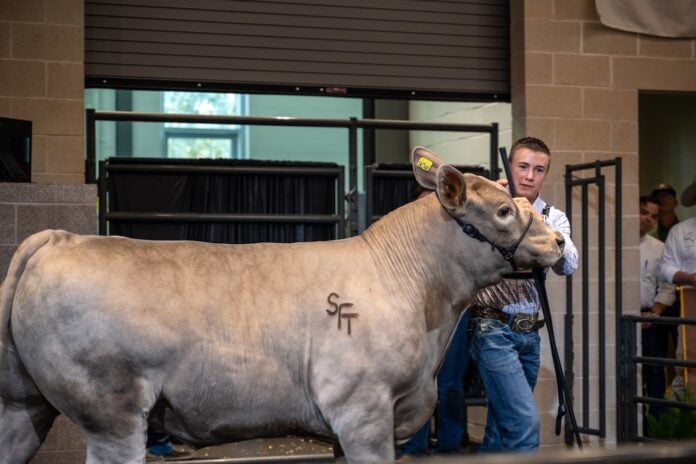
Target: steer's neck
412, 251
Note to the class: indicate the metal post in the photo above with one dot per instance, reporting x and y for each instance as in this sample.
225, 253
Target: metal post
91, 140
352, 196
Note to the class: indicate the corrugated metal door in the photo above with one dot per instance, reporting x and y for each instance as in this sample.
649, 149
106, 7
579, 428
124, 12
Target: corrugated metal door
402, 48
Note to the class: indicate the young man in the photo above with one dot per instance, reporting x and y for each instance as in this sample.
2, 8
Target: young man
667, 217
655, 297
505, 339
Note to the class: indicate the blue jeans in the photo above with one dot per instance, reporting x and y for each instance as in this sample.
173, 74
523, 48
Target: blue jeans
450, 405
508, 363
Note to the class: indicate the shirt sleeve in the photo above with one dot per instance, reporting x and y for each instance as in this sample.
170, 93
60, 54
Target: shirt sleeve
665, 294
670, 262
568, 263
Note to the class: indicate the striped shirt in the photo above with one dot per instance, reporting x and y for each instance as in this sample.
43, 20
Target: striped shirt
519, 296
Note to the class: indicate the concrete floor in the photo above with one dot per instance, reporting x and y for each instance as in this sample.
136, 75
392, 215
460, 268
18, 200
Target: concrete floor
276, 450
285, 449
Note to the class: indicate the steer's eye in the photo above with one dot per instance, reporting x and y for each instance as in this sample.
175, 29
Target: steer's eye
503, 211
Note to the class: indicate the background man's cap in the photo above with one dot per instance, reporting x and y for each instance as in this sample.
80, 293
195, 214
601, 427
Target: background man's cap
688, 197
663, 188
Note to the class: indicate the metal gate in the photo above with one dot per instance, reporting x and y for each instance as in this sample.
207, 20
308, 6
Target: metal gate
592, 187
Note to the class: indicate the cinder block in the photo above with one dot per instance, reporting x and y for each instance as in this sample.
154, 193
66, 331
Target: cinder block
6, 252
23, 10
5, 40
78, 219
52, 116
664, 47
597, 38
65, 155
582, 134
576, 9
38, 152
48, 42
537, 8
35, 218
51, 178
611, 104
538, 68
22, 79
65, 80
8, 224
85, 193
624, 136
581, 70
70, 12
552, 36
25, 193
554, 101
542, 128
654, 74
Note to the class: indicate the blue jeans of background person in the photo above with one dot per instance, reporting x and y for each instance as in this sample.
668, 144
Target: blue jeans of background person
450, 426
508, 363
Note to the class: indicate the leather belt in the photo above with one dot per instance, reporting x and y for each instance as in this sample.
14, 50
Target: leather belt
521, 323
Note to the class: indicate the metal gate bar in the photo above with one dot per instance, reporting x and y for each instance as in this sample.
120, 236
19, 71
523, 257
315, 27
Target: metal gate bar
597, 180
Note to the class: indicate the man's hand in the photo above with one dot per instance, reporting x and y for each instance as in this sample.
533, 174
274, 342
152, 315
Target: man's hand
524, 204
649, 313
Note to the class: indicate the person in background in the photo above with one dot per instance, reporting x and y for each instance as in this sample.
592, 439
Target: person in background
679, 259
667, 217
505, 339
655, 297
450, 414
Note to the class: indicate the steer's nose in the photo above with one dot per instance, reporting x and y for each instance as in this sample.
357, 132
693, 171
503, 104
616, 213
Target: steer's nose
560, 241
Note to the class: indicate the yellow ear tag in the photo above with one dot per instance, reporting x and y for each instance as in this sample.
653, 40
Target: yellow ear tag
424, 163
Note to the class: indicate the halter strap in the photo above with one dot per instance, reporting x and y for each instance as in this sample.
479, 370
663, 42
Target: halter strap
507, 252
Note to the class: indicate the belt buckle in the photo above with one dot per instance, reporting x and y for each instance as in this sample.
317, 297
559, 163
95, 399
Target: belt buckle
524, 323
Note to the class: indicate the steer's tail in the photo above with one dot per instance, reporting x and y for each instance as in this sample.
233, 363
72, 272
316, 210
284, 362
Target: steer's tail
19, 261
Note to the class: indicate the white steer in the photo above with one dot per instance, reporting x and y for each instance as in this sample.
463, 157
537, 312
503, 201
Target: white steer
215, 343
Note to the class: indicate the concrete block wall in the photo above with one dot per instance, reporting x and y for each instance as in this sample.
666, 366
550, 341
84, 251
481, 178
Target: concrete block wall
42, 80
575, 84
27, 208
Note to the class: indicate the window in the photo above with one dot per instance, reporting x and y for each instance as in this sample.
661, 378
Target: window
186, 140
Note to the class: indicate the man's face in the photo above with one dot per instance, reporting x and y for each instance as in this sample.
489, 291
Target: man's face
648, 216
667, 201
529, 170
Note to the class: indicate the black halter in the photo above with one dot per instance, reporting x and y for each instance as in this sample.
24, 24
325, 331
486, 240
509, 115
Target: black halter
507, 252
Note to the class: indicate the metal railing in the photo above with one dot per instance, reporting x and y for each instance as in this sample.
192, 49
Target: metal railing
629, 397
352, 125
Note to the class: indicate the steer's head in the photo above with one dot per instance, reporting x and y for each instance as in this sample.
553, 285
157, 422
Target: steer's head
487, 216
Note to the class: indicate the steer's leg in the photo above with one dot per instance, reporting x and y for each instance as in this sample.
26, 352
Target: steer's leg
23, 428
366, 430
25, 415
122, 444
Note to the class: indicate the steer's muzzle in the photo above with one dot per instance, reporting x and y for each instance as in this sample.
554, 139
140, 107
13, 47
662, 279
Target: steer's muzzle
560, 241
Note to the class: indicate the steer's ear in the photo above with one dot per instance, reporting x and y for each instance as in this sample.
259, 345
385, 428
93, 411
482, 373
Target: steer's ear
425, 165
451, 188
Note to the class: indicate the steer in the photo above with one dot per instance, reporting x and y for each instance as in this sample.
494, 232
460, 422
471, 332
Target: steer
216, 343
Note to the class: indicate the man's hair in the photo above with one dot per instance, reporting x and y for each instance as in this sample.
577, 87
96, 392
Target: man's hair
530, 143
648, 199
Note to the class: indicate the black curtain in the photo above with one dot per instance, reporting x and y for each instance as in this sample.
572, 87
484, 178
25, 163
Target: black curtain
240, 193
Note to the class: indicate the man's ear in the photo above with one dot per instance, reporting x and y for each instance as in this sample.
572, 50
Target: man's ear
451, 187
425, 166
